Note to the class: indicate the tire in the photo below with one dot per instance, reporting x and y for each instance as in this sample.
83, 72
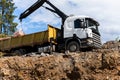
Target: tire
73, 46
18, 52
23, 51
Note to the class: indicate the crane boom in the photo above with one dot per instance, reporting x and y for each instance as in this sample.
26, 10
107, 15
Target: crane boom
38, 4
31, 9
57, 11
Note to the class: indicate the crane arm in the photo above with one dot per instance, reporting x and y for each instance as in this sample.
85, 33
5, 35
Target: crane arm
31, 9
38, 4
57, 11
49, 9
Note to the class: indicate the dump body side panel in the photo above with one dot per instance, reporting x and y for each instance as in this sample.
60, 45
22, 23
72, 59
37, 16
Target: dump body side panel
26, 40
5, 43
29, 40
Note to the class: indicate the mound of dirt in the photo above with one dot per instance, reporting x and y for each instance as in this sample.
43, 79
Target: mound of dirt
75, 66
102, 64
111, 45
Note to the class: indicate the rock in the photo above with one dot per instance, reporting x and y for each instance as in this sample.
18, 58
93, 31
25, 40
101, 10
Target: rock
5, 72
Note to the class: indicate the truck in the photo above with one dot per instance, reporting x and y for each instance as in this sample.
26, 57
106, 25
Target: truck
76, 33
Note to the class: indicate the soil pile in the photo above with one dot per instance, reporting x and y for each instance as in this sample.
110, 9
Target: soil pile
102, 64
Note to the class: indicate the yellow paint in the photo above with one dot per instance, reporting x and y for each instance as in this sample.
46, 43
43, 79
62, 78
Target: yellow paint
30, 39
51, 32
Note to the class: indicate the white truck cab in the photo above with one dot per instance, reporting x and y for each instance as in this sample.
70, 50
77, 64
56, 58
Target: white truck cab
84, 29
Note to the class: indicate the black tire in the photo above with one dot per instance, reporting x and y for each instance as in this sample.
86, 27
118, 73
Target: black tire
73, 46
19, 52
23, 51
16, 53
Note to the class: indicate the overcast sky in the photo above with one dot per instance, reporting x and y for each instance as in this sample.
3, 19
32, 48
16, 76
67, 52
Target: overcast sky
106, 12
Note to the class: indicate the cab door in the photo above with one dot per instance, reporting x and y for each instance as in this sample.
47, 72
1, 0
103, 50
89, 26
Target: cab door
79, 28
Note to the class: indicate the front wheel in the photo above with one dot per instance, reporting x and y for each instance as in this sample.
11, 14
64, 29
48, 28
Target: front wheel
73, 46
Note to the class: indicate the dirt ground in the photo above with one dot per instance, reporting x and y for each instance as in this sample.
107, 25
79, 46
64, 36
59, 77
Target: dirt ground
101, 64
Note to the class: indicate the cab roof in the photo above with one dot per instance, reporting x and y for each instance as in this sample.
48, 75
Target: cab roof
73, 17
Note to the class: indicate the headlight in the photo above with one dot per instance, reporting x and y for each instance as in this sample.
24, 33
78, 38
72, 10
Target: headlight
89, 40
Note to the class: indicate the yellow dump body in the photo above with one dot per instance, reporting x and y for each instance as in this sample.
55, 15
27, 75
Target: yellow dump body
29, 40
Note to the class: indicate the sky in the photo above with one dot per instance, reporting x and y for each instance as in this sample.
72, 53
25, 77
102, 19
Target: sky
106, 12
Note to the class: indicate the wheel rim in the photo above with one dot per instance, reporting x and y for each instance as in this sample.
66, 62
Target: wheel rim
73, 48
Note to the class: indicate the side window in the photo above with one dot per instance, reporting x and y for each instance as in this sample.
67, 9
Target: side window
77, 23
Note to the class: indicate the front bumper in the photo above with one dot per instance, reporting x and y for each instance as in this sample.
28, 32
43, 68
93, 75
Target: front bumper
89, 43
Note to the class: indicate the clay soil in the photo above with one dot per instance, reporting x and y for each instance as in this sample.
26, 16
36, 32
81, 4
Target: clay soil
100, 64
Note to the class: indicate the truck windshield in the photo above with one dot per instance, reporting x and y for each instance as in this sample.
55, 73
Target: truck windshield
93, 25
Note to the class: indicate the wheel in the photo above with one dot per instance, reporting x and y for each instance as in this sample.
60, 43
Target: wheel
73, 46
19, 52
23, 51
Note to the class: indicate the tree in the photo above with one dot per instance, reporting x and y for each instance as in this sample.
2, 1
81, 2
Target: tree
7, 26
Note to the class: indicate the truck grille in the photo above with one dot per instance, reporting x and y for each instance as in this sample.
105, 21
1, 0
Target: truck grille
96, 40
